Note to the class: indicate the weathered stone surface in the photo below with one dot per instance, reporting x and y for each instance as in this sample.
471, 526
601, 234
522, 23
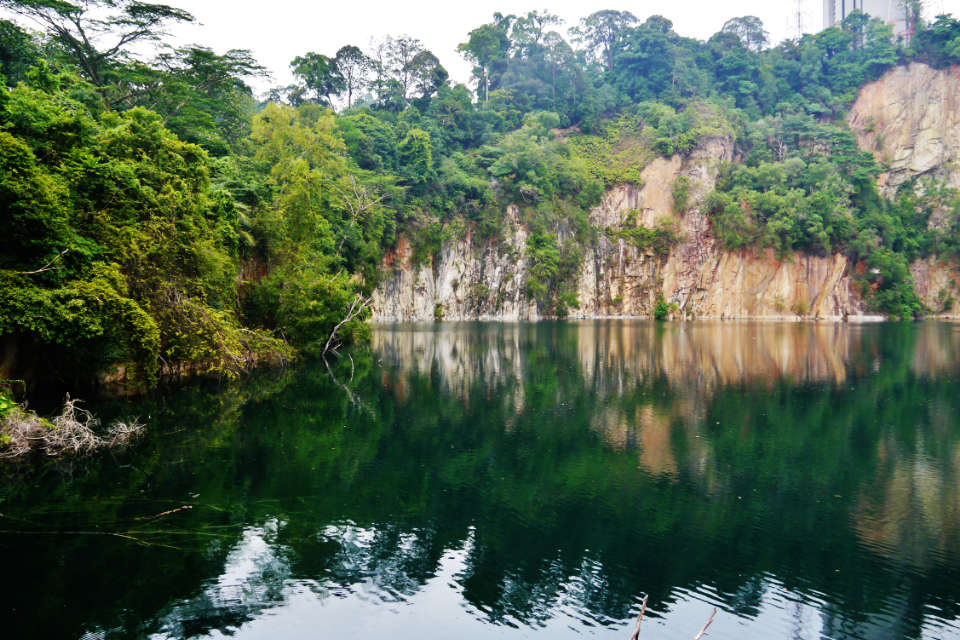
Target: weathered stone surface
617, 279
938, 284
466, 282
910, 119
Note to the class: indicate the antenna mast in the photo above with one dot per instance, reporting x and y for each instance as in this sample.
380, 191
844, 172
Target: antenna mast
799, 17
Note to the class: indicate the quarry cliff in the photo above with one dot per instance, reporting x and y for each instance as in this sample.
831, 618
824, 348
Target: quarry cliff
908, 119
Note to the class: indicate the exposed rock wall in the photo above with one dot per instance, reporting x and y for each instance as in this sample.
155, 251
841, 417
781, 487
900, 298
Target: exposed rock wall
938, 284
464, 282
910, 120
487, 282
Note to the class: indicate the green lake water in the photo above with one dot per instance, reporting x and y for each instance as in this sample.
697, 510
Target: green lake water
519, 481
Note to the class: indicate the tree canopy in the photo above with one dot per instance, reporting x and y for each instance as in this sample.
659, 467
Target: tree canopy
159, 216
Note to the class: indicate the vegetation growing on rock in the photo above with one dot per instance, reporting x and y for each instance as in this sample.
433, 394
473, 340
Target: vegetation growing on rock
159, 217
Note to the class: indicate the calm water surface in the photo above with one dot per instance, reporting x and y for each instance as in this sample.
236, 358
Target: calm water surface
520, 481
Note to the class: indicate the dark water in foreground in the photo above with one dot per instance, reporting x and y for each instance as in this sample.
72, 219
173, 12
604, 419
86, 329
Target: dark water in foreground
518, 481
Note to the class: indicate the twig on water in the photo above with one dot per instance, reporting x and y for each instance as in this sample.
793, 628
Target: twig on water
643, 609
164, 514
116, 534
704, 628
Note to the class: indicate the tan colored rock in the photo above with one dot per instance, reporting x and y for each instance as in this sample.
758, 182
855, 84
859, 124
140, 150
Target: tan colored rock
937, 282
910, 120
467, 282
617, 279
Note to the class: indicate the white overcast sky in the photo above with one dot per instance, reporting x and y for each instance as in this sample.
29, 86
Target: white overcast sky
279, 30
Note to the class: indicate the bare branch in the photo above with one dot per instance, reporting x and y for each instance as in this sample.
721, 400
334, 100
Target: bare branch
357, 203
47, 267
356, 308
73, 432
704, 628
643, 609
164, 514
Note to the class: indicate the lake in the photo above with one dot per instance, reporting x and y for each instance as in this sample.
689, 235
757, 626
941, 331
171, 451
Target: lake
519, 481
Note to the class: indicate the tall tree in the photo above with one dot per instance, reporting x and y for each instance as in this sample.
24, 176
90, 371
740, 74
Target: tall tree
487, 46
319, 75
401, 53
354, 67
645, 62
403, 70
18, 52
599, 32
557, 54
528, 32
750, 31
202, 95
81, 27
426, 74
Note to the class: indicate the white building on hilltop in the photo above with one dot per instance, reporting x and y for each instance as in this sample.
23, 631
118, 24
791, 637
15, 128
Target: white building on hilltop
893, 12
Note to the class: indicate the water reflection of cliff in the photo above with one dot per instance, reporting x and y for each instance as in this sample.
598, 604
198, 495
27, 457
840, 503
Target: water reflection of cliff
620, 354
801, 477
911, 515
651, 386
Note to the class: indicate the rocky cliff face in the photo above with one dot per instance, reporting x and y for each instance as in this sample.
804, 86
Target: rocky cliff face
618, 279
910, 119
697, 276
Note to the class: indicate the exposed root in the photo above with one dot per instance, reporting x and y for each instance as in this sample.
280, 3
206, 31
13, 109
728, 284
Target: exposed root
73, 432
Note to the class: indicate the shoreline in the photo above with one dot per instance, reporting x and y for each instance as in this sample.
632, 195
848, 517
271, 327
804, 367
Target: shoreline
791, 318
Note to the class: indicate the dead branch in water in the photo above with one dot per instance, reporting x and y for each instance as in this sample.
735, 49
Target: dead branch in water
132, 535
115, 534
71, 432
704, 628
356, 308
164, 514
643, 609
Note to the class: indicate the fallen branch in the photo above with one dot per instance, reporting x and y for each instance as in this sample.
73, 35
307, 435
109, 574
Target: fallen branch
185, 507
643, 609
704, 628
74, 431
125, 535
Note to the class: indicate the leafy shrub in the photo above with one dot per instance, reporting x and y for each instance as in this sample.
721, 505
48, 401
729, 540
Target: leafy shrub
661, 309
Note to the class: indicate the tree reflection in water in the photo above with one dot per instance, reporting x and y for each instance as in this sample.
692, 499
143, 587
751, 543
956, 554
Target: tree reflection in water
510, 478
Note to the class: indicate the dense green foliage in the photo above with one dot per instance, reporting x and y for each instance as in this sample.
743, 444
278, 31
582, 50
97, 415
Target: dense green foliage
157, 216
118, 249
